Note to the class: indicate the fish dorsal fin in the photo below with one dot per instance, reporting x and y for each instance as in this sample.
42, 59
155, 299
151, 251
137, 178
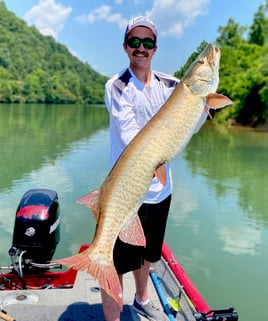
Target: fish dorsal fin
132, 233
91, 200
216, 101
161, 174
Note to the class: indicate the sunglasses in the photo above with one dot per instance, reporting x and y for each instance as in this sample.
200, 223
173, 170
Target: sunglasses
135, 42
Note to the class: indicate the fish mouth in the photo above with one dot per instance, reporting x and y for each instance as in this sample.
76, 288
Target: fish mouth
212, 54
204, 80
214, 57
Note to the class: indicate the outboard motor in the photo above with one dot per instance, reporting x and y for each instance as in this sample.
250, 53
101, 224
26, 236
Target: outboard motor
37, 227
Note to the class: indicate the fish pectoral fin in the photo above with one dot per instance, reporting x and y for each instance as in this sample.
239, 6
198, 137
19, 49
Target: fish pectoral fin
132, 233
161, 174
91, 200
216, 101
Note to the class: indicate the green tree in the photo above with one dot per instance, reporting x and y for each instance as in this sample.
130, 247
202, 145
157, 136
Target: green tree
243, 69
32, 89
5, 91
231, 35
258, 33
242, 79
41, 70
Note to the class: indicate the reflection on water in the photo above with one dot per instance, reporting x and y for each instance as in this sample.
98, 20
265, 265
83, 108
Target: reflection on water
31, 135
240, 239
234, 160
219, 217
49, 146
218, 220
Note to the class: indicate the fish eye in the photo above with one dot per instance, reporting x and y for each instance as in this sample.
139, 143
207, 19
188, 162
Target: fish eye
201, 61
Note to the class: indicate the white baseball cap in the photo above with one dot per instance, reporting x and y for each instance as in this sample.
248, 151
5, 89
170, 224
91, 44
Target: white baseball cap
140, 21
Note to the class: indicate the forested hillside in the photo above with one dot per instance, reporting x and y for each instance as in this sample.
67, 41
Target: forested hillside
243, 69
35, 68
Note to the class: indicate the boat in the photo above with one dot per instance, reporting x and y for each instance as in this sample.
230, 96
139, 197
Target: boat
33, 289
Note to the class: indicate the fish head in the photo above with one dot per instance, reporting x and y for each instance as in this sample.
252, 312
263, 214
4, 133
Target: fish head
202, 77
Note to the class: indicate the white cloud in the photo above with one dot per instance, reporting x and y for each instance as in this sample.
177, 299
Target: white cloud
104, 13
240, 239
74, 53
48, 16
101, 13
186, 204
173, 16
170, 16
52, 176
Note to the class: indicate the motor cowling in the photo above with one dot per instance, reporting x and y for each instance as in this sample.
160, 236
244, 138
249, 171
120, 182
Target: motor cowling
37, 225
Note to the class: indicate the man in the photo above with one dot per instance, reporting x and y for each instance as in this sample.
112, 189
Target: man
132, 98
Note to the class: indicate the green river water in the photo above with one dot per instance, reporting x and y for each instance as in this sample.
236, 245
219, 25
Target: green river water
218, 222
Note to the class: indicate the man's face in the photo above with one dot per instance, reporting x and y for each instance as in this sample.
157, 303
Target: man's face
140, 57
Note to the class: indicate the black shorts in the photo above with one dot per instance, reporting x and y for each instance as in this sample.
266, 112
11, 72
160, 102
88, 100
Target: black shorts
153, 218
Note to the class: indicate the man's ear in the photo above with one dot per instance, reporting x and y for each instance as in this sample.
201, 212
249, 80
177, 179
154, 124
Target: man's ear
125, 46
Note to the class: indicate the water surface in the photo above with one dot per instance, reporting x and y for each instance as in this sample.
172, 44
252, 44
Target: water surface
218, 221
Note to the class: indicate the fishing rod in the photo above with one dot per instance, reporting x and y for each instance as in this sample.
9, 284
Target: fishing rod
162, 296
204, 313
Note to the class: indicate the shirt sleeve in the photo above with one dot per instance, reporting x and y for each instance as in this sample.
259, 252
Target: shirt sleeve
122, 117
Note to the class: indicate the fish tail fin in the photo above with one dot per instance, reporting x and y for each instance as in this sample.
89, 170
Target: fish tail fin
105, 274
109, 282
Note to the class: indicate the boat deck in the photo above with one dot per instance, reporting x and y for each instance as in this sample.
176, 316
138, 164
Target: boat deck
83, 301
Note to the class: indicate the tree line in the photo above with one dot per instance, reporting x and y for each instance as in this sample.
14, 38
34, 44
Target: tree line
36, 69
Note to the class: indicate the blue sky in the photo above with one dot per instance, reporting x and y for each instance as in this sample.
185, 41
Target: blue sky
93, 29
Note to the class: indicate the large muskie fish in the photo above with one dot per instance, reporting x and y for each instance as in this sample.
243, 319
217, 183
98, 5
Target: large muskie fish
116, 202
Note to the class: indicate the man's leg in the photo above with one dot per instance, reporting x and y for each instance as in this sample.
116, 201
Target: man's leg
110, 307
141, 280
141, 303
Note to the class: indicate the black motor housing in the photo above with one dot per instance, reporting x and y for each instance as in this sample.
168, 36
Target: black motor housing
37, 225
